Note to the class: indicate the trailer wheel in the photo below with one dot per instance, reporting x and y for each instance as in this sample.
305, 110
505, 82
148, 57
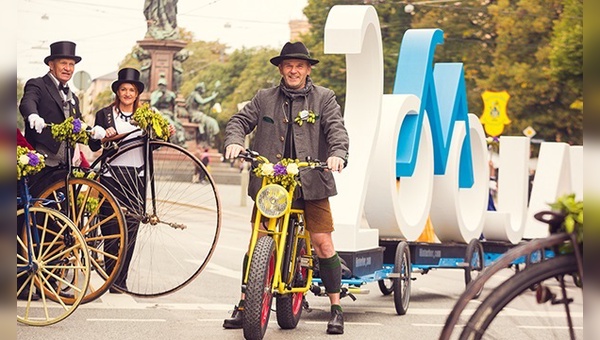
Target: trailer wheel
386, 286
474, 261
402, 278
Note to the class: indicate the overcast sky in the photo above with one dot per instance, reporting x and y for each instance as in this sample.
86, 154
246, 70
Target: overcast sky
106, 30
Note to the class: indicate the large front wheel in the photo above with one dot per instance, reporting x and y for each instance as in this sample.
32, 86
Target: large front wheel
259, 290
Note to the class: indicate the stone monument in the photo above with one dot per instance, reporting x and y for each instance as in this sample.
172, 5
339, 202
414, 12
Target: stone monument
161, 54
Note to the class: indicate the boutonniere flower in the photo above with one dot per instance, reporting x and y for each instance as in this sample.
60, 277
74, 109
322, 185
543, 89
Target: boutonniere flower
306, 116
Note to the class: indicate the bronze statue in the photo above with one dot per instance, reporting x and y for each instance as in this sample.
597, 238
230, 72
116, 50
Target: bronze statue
161, 17
178, 58
145, 60
199, 106
163, 100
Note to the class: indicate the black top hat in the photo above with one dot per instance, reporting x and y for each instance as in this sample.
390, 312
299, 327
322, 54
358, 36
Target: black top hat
295, 50
62, 49
128, 75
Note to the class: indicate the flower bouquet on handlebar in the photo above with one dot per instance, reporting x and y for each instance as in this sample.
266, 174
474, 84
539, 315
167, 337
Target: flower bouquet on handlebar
280, 253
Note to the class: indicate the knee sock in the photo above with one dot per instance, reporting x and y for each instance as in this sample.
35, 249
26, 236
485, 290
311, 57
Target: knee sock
330, 270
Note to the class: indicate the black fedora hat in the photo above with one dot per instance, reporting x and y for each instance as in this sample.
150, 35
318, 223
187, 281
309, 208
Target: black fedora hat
295, 50
128, 75
62, 49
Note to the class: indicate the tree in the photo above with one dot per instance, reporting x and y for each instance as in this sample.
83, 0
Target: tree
522, 66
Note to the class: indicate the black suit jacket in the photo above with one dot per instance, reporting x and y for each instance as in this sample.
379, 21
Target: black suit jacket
104, 118
41, 96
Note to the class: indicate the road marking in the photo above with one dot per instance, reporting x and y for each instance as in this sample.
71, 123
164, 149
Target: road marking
549, 327
345, 323
127, 320
209, 320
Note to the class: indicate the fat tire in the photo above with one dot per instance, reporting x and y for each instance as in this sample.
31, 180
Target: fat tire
259, 293
288, 307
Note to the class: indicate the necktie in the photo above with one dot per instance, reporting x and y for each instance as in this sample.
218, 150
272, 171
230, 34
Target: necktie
65, 89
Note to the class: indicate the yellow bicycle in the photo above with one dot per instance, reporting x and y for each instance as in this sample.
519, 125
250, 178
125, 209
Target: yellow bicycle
281, 258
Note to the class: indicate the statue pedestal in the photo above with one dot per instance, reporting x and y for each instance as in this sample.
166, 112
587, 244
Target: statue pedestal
161, 54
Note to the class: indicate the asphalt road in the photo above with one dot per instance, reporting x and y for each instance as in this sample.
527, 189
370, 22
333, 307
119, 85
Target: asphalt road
198, 310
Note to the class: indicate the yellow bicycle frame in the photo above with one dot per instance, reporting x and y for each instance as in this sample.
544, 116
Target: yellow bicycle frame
277, 228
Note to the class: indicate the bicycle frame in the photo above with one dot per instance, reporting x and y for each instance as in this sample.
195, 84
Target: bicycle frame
278, 229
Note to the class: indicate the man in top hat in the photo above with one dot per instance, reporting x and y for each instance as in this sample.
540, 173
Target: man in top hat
48, 99
281, 115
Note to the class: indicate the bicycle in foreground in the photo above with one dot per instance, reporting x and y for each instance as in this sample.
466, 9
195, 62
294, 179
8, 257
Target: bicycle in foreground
555, 284
280, 253
52, 258
173, 223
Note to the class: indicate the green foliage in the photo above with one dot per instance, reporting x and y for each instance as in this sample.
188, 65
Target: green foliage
573, 212
151, 121
533, 49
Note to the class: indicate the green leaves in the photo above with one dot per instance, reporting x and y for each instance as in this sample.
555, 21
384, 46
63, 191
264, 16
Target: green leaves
573, 211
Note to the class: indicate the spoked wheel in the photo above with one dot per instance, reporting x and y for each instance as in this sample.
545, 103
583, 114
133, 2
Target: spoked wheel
55, 262
402, 278
259, 290
97, 214
386, 286
289, 306
173, 220
474, 261
514, 293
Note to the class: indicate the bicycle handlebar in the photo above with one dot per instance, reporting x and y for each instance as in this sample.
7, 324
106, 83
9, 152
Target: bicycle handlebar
254, 157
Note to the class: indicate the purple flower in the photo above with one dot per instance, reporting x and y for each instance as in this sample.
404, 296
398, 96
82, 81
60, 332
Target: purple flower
33, 159
76, 126
280, 169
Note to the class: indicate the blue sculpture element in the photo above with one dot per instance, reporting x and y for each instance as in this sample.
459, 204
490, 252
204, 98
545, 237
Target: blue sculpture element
443, 96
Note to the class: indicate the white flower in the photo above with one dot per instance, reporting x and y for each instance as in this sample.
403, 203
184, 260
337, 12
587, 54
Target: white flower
292, 169
84, 126
24, 159
267, 169
303, 114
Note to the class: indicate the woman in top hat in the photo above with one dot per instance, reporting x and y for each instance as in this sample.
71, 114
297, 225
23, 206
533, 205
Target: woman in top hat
128, 168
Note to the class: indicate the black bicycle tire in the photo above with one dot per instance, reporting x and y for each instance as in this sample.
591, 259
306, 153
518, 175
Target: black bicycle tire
287, 317
474, 247
177, 284
259, 284
402, 284
512, 288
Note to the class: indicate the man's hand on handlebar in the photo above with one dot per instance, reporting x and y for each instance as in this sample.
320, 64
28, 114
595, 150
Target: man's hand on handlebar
335, 163
233, 150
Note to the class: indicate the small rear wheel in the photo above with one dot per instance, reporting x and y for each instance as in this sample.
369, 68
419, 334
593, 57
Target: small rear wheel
402, 279
289, 306
259, 290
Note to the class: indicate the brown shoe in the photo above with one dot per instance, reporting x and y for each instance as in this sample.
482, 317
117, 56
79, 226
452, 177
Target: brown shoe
235, 321
336, 322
